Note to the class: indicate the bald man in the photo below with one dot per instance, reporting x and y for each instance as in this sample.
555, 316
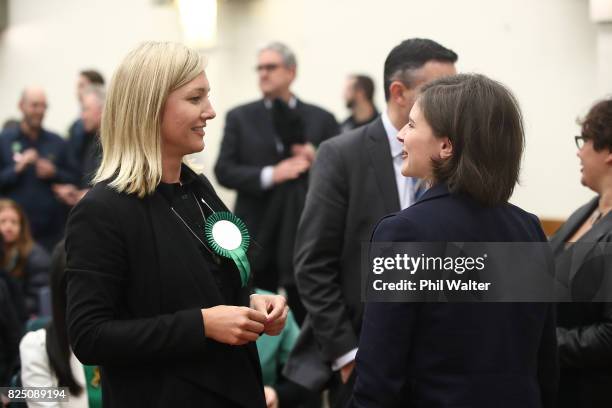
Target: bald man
32, 159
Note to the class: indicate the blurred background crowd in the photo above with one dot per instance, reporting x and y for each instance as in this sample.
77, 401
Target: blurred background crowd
315, 69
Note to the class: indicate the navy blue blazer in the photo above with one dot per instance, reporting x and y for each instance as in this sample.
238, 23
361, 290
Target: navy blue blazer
457, 354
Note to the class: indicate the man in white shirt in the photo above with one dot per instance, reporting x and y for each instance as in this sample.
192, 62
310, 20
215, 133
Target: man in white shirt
268, 147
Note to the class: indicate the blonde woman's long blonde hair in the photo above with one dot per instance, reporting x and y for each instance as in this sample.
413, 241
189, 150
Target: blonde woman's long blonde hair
130, 132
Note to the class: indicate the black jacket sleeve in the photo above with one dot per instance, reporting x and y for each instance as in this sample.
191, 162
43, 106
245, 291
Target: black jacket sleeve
548, 362
10, 333
97, 273
381, 380
230, 170
331, 126
318, 254
587, 346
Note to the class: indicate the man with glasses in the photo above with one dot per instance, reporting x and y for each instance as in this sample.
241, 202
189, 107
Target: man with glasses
268, 147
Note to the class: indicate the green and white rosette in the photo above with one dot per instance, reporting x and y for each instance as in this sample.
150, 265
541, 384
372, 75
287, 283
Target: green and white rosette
227, 235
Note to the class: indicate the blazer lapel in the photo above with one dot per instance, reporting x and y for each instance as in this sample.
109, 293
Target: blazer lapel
569, 262
209, 195
601, 228
382, 162
557, 241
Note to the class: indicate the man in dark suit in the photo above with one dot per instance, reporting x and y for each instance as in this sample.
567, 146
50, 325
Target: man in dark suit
355, 181
267, 149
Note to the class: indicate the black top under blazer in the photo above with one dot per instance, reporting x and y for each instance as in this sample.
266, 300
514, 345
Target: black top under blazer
462, 354
136, 282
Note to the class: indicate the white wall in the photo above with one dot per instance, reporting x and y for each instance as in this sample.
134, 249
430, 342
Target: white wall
546, 51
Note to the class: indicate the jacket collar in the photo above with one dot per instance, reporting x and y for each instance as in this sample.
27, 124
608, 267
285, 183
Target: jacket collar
436, 191
575, 220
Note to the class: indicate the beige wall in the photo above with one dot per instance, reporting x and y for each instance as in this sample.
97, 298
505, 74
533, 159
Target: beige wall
546, 51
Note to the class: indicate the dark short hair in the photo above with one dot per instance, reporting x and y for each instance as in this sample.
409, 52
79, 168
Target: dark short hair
483, 121
411, 55
597, 126
366, 84
93, 76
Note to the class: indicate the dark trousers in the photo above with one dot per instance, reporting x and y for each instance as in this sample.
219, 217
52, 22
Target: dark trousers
339, 393
295, 304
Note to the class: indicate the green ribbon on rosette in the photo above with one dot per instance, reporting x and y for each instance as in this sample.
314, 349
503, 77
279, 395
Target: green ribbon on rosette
227, 235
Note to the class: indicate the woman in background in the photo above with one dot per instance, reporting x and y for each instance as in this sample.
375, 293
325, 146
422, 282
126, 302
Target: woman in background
584, 331
26, 262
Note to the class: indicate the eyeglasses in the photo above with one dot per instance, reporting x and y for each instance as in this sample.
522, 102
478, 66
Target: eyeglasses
580, 141
267, 67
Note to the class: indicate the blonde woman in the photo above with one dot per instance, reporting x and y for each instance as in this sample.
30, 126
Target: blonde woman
150, 301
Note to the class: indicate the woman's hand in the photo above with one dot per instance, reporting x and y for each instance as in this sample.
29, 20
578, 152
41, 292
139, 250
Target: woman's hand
271, 397
275, 308
233, 325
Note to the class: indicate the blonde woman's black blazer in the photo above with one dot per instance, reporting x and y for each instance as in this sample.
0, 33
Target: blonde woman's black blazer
136, 281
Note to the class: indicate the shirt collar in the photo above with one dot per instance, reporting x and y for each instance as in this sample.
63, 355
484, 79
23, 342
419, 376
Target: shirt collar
292, 102
394, 144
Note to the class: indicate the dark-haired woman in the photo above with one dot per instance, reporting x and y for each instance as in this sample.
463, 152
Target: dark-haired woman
46, 357
465, 138
584, 332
